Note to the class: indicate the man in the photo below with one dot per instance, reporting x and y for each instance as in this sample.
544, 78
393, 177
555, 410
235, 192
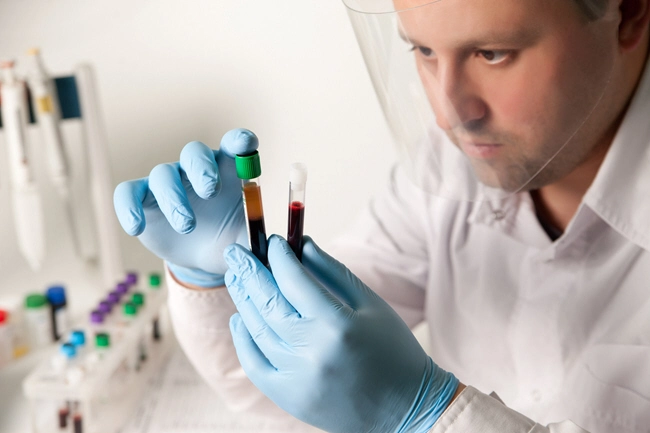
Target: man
525, 244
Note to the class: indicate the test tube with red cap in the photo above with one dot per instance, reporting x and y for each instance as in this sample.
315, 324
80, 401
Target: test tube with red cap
297, 182
249, 170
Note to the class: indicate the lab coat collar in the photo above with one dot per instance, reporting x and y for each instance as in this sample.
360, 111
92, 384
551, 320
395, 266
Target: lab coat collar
620, 193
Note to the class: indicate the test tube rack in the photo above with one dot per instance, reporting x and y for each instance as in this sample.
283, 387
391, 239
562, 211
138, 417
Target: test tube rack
109, 382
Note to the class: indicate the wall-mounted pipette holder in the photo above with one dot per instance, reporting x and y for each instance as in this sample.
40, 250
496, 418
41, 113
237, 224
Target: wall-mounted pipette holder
84, 145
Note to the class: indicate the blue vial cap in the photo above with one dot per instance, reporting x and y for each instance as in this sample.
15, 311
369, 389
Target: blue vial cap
56, 295
78, 338
68, 350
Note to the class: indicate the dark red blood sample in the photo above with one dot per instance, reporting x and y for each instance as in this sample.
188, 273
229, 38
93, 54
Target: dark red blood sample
77, 422
258, 240
63, 417
296, 224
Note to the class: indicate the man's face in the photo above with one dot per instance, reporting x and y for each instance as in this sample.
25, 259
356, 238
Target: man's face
514, 83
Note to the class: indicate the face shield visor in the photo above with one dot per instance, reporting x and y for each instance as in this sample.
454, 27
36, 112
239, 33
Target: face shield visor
487, 98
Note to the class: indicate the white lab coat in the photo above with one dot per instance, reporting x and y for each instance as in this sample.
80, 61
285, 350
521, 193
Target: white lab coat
560, 331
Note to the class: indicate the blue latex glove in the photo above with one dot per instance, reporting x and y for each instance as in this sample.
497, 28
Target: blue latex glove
187, 212
326, 348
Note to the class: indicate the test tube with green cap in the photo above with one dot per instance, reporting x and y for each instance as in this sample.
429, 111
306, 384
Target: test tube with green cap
154, 285
103, 340
154, 280
249, 170
138, 299
130, 309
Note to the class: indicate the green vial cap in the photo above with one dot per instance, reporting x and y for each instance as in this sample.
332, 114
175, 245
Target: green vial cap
137, 299
35, 300
130, 309
154, 280
102, 339
248, 166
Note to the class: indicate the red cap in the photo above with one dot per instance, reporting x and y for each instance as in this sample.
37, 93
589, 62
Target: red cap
4, 316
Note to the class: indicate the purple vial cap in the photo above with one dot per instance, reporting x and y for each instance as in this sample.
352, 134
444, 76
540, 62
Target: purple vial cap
113, 298
104, 307
131, 278
122, 288
96, 317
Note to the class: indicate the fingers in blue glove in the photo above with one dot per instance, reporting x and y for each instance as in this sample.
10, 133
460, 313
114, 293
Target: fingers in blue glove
307, 295
167, 187
128, 200
265, 337
258, 298
253, 360
335, 276
199, 164
239, 142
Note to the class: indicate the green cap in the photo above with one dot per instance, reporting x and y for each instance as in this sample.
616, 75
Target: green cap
35, 300
154, 280
248, 166
137, 298
130, 309
102, 339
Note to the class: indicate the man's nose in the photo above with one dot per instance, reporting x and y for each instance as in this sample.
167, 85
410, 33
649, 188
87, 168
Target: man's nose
457, 104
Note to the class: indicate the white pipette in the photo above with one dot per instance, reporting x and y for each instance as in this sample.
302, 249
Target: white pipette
26, 200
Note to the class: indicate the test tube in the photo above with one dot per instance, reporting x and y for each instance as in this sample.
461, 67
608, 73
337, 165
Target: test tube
154, 285
77, 418
297, 181
122, 288
131, 278
249, 171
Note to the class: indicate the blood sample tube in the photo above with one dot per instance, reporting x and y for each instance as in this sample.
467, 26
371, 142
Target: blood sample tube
297, 181
64, 413
249, 171
77, 418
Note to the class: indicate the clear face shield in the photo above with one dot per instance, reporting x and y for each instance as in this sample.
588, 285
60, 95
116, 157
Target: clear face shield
487, 98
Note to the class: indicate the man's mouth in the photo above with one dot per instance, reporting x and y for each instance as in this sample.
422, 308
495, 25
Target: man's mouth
480, 150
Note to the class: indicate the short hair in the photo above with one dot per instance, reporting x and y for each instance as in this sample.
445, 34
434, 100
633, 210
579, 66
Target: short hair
592, 9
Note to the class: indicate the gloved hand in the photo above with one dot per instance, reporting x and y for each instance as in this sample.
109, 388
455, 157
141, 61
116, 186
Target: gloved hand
187, 212
326, 348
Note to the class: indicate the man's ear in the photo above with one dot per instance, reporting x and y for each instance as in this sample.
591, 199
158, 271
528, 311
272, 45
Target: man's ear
635, 19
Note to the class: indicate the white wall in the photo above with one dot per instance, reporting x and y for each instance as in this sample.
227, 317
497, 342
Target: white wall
173, 71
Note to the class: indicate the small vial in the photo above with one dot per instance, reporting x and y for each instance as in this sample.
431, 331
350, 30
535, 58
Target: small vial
96, 319
64, 413
114, 297
58, 311
138, 300
77, 418
78, 339
122, 288
73, 372
105, 307
297, 182
102, 345
154, 286
6, 339
37, 319
249, 171
131, 279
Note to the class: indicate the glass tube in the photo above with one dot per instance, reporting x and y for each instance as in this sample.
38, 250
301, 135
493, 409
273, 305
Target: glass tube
297, 181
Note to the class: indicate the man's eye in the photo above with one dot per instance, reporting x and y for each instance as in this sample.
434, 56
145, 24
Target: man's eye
426, 52
493, 57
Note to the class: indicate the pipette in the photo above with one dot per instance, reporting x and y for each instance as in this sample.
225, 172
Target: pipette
26, 200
